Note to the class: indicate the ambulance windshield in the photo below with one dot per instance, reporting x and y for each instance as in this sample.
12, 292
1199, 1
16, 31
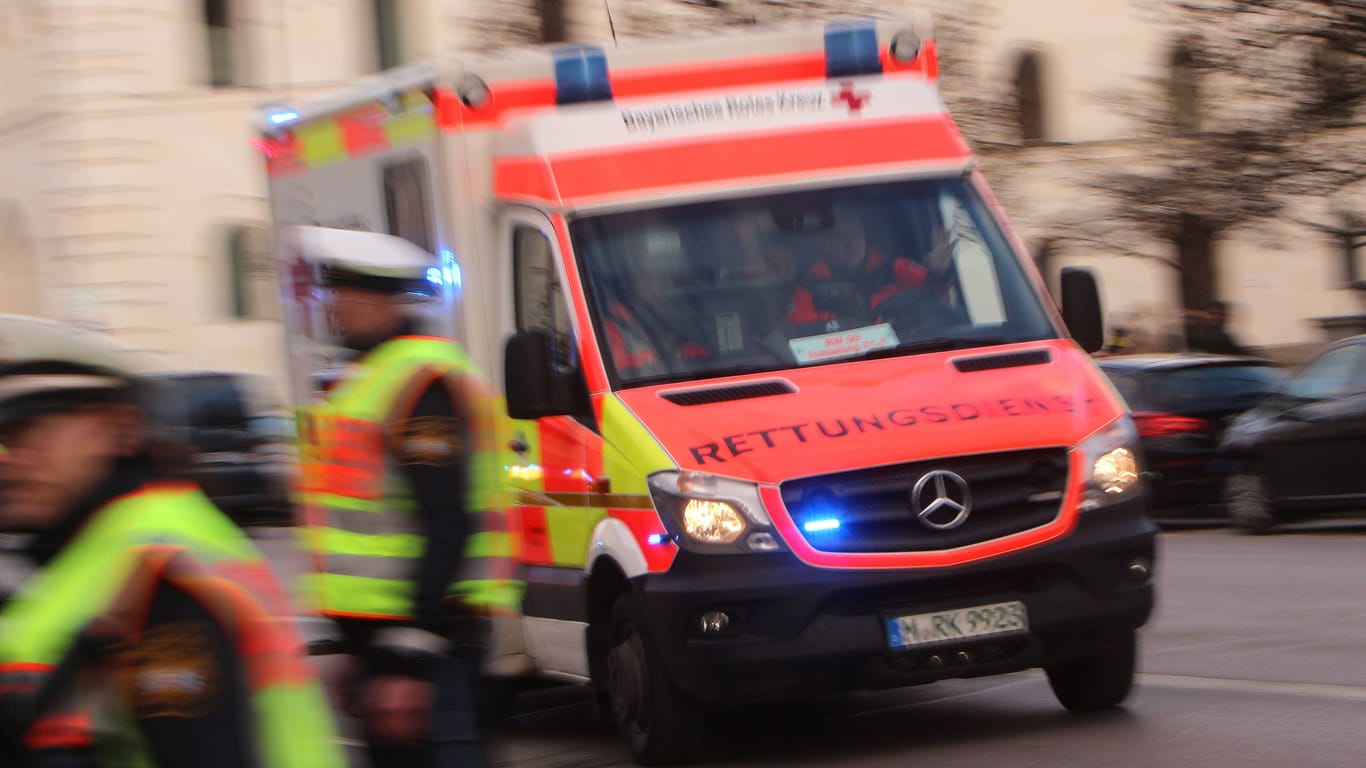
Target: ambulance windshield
777, 281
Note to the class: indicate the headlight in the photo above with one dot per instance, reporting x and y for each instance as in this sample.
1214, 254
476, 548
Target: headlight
712, 514
1111, 457
712, 522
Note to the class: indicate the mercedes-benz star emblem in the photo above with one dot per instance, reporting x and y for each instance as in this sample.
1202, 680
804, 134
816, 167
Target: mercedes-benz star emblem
941, 500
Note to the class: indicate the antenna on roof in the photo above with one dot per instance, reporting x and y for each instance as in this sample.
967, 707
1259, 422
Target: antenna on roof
606, 4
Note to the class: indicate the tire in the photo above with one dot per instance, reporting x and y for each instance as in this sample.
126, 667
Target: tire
659, 723
1098, 682
1249, 503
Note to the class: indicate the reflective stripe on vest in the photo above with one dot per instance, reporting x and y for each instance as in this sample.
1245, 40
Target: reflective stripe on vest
359, 509
172, 534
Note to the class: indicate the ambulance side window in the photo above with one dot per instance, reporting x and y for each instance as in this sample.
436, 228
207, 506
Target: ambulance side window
539, 297
406, 203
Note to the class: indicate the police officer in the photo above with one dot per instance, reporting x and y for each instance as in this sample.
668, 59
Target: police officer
403, 507
150, 632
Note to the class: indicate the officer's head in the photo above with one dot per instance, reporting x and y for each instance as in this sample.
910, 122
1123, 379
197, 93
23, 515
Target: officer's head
69, 412
845, 244
368, 280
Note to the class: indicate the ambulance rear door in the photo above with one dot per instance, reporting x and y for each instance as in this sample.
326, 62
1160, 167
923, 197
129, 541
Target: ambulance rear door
372, 162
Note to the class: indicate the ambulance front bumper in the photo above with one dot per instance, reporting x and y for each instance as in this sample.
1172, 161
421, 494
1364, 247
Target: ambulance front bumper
790, 629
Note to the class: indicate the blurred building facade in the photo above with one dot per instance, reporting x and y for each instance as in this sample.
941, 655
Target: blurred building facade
135, 202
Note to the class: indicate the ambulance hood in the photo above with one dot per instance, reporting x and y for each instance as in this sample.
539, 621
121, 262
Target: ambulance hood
868, 413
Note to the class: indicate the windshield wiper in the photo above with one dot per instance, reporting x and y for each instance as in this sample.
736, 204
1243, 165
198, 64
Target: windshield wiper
696, 377
943, 344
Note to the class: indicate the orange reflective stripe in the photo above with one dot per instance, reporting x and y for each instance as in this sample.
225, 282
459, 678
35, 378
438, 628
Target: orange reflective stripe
22, 678
260, 581
25, 666
71, 731
367, 616
405, 402
271, 650
352, 482
17, 689
350, 459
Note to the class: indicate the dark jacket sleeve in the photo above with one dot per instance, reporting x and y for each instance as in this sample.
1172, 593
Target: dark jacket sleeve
189, 687
436, 467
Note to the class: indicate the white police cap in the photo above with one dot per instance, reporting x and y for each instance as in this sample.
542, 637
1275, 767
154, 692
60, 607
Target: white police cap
369, 254
40, 357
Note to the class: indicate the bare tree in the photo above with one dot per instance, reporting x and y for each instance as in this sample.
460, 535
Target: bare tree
1259, 113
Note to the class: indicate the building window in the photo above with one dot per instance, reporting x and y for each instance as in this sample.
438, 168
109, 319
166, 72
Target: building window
218, 25
1183, 89
1333, 73
1352, 237
1029, 104
554, 21
388, 41
251, 274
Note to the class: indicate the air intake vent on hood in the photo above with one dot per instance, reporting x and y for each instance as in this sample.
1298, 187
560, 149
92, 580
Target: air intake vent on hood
722, 394
1007, 360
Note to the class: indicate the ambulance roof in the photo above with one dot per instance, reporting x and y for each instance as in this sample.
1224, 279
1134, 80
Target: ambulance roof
581, 125
643, 66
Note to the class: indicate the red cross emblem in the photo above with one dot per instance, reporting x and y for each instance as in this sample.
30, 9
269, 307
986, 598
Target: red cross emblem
854, 99
302, 276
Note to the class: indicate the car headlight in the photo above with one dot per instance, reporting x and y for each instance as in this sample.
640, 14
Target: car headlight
1111, 457
712, 514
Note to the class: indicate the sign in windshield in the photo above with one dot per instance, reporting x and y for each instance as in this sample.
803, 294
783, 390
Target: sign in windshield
776, 281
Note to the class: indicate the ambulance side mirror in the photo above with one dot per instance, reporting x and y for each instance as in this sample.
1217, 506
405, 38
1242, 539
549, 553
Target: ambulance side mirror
534, 385
1081, 308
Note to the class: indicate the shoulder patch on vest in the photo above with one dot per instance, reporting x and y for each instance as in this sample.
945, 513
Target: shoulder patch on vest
174, 671
431, 440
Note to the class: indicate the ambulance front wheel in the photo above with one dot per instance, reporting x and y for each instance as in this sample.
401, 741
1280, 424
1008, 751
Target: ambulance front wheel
1099, 681
661, 725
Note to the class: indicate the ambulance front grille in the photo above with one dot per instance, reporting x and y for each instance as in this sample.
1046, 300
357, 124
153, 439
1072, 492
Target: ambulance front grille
873, 510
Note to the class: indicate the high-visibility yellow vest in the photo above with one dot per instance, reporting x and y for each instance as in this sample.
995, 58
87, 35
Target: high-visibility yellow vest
162, 533
360, 519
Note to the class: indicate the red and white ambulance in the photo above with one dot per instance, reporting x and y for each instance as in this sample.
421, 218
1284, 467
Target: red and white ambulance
793, 412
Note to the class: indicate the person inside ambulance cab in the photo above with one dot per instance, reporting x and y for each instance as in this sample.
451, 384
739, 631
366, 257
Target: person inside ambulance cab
851, 282
643, 334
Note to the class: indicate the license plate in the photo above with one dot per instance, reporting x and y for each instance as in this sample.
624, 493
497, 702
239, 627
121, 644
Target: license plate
992, 620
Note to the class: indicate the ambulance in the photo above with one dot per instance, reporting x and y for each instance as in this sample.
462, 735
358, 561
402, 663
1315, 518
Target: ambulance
792, 411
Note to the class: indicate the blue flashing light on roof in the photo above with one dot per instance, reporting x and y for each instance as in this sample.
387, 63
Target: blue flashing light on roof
851, 49
450, 270
282, 116
581, 74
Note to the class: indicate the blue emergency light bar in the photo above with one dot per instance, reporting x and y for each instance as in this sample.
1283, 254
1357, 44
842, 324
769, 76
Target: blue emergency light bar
581, 74
851, 49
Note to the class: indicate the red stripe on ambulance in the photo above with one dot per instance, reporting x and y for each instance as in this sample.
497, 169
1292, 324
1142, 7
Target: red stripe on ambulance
593, 176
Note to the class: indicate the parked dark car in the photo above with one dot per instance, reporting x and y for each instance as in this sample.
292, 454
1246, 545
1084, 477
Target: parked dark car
1301, 453
1181, 404
238, 441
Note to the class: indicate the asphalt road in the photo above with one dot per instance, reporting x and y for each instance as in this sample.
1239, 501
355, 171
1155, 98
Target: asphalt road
1256, 657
